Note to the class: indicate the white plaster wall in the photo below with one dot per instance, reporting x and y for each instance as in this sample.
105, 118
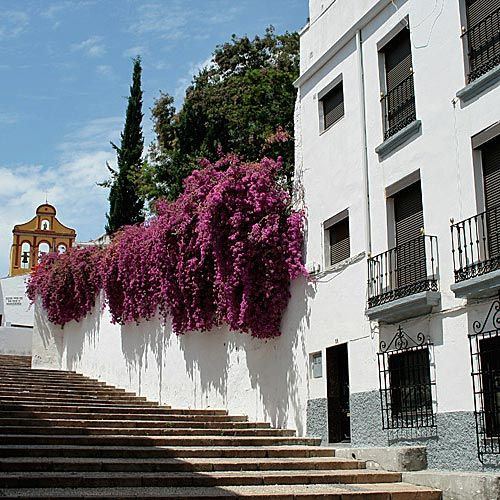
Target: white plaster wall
15, 340
266, 380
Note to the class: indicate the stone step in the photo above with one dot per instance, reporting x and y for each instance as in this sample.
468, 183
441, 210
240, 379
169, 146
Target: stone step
15, 360
183, 479
120, 440
83, 384
121, 415
48, 464
143, 423
138, 452
150, 408
23, 399
384, 491
46, 391
142, 431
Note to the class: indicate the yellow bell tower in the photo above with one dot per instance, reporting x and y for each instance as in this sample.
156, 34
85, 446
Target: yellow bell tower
42, 234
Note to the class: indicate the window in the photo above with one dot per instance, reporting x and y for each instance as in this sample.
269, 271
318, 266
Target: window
406, 388
61, 248
316, 365
332, 106
399, 99
339, 241
45, 225
482, 36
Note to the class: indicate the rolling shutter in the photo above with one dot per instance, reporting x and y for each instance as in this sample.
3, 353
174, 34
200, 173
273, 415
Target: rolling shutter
340, 247
333, 105
400, 100
490, 156
483, 25
409, 221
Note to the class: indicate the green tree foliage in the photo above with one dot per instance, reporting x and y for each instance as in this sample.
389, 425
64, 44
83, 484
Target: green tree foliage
125, 204
242, 102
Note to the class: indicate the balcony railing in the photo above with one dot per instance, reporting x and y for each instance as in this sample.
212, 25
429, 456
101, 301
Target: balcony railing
475, 245
402, 271
483, 45
399, 107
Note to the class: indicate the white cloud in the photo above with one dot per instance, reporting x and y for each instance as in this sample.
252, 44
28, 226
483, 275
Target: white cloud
138, 50
8, 118
12, 23
92, 47
185, 81
105, 71
70, 184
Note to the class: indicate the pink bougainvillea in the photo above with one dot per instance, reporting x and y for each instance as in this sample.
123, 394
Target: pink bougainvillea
67, 283
223, 252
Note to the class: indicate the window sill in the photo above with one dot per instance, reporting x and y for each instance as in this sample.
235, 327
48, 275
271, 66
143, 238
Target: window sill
325, 130
478, 86
398, 139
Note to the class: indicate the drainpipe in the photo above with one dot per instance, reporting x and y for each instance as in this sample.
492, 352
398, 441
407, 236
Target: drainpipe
366, 179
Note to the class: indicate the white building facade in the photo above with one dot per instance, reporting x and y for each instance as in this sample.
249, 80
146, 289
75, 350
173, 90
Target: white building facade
398, 155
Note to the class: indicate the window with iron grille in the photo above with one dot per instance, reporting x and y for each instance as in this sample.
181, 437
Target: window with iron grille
339, 240
333, 105
485, 358
406, 384
482, 36
399, 99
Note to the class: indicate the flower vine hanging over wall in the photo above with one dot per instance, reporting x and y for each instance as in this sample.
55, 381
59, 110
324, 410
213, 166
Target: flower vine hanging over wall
223, 252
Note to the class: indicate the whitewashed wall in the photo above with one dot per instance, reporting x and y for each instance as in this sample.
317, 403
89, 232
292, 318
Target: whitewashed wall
15, 309
264, 379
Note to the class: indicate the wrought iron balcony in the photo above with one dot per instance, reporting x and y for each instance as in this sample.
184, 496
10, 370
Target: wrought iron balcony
475, 245
483, 45
399, 107
402, 271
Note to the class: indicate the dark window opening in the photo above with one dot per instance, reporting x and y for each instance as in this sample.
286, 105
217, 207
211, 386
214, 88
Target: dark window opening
482, 36
333, 105
406, 388
339, 241
399, 99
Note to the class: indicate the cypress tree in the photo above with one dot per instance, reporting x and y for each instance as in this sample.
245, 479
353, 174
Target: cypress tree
125, 206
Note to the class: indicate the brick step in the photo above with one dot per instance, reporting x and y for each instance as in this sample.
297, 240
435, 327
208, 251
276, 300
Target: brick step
182, 479
35, 382
143, 423
138, 452
384, 491
150, 408
142, 431
38, 373
120, 440
120, 415
48, 464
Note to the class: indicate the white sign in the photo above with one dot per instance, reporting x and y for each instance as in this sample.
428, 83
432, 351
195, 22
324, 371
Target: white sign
14, 301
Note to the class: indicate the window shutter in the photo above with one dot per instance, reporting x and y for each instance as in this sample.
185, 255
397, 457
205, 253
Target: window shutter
398, 59
490, 156
409, 220
340, 248
483, 38
333, 105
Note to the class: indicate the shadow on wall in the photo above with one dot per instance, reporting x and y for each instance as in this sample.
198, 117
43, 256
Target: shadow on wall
84, 332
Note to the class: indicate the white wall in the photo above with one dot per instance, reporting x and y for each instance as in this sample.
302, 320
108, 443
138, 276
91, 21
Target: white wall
266, 380
15, 309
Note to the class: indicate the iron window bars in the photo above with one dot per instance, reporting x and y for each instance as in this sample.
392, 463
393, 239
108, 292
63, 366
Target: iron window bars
483, 45
406, 384
485, 358
475, 245
398, 107
403, 270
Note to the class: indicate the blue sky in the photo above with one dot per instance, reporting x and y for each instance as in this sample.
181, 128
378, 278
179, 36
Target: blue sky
65, 69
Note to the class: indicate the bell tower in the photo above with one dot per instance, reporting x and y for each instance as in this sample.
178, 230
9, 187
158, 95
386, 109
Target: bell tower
42, 234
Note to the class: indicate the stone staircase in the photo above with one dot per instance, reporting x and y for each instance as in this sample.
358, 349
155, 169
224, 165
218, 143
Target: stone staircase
63, 435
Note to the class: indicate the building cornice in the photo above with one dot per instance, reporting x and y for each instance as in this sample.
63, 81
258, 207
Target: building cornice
341, 42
